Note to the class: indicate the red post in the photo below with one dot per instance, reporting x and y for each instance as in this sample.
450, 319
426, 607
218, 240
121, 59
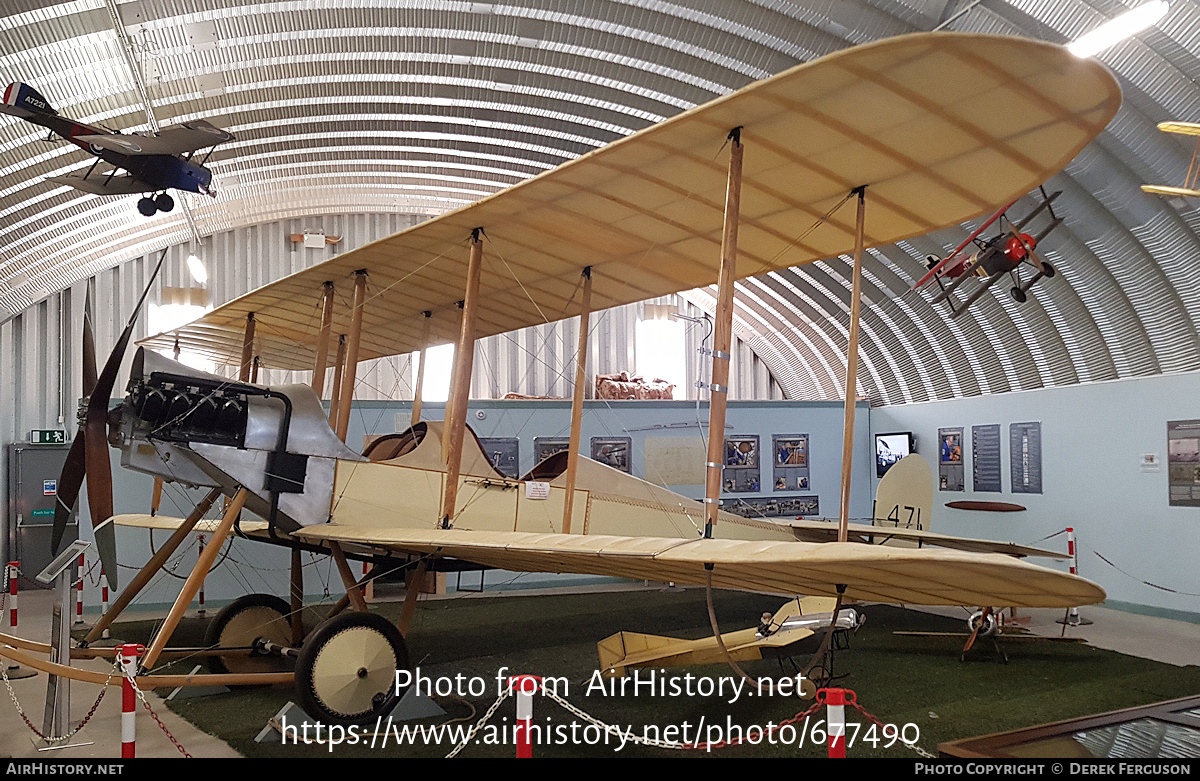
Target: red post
1073, 613
13, 568
835, 702
128, 655
526, 686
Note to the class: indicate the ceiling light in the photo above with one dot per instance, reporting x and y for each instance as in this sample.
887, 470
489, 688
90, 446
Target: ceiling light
1118, 29
196, 266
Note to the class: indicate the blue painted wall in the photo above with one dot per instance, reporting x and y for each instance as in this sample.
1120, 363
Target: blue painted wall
1093, 440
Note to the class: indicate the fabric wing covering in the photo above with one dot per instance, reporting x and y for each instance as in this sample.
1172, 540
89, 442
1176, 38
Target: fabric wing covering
940, 127
869, 572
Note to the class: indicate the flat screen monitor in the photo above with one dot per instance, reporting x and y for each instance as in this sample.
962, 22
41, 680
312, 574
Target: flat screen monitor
890, 448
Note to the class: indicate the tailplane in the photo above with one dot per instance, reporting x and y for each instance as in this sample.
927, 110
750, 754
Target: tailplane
22, 100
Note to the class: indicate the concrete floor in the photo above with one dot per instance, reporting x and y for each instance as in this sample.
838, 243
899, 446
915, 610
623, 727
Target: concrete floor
1160, 639
101, 737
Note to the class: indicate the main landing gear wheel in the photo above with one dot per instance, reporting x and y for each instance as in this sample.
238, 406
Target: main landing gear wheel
147, 207
164, 202
239, 624
1019, 295
346, 672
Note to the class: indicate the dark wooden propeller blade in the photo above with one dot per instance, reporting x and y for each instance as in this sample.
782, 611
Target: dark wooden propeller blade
99, 470
69, 483
89, 351
71, 479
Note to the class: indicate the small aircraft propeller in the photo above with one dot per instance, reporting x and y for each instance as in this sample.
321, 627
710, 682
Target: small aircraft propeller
71, 479
89, 452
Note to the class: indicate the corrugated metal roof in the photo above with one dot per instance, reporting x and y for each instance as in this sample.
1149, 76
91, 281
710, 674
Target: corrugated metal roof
386, 106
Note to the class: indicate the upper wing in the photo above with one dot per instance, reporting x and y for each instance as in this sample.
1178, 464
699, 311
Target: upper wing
827, 531
173, 140
916, 119
102, 185
868, 572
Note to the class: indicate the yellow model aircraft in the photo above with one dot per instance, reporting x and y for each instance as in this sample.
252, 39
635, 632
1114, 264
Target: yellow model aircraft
778, 635
746, 184
1190, 182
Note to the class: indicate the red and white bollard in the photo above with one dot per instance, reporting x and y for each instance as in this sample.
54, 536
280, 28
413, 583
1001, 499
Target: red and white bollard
13, 568
1073, 618
835, 717
128, 656
526, 686
200, 595
79, 592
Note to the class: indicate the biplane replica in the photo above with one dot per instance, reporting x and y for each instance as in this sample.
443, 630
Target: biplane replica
718, 193
1001, 255
987, 624
1191, 182
154, 163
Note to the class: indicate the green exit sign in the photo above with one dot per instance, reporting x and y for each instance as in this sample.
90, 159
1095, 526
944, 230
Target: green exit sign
46, 436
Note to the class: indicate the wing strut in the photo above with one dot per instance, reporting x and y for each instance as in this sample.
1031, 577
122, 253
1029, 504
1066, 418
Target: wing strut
852, 367
322, 360
151, 568
418, 392
339, 367
723, 335
350, 370
247, 350
577, 399
464, 354
192, 584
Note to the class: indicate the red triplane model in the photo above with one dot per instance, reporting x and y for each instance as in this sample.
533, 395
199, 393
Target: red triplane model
1002, 254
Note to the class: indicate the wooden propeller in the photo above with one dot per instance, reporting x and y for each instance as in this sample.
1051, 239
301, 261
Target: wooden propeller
89, 452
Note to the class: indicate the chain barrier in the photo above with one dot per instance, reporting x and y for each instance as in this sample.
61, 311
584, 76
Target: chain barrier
50, 738
142, 696
912, 746
479, 724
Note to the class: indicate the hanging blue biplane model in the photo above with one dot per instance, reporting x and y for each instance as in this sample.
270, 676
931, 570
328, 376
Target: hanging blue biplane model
154, 163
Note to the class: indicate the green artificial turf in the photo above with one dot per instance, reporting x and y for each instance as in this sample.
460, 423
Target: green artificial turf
916, 681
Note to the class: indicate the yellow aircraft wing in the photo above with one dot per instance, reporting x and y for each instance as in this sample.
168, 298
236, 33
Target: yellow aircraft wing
1177, 192
940, 127
869, 572
170, 523
1182, 128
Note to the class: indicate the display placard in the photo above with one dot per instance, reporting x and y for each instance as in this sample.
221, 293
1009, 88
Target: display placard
775, 506
1025, 457
742, 471
1183, 463
504, 453
790, 462
614, 451
985, 459
950, 459
544, 447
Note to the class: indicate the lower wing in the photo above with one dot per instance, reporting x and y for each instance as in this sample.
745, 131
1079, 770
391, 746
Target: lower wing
866, 572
